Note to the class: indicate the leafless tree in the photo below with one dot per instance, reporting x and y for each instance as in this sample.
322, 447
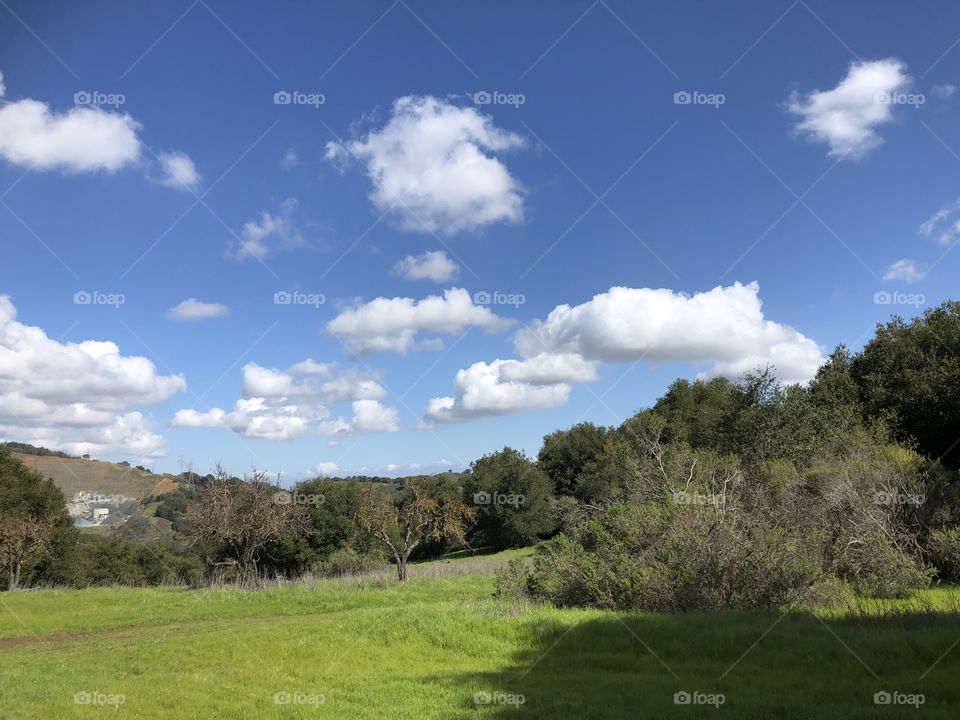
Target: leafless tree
243, 517
404, 524
23, 538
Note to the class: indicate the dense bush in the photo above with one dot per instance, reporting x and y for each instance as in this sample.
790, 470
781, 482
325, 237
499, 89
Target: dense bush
671, 558
944, 546
669, 527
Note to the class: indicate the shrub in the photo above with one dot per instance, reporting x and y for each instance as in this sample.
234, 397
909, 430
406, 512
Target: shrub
512, 581
664, 558
347, 561
877, 569
944, 548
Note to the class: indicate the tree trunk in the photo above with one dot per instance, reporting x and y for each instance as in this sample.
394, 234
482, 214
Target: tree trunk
14, 579
401, 569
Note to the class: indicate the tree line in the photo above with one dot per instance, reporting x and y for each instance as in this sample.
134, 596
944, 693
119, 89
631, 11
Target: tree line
722, 494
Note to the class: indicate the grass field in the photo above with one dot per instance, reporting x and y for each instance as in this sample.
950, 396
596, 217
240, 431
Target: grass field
433, 647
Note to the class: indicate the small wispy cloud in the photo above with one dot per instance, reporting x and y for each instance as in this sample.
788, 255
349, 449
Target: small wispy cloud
191, 310
906, 270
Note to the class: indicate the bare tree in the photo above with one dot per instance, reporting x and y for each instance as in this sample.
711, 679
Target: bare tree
404, 524
24, 538
243, 517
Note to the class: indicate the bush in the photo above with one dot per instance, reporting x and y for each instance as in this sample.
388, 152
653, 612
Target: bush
347, 561
663, 558
512, 581
944, 548
877, 569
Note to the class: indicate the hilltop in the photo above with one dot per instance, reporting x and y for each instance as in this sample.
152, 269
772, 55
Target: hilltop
73, 474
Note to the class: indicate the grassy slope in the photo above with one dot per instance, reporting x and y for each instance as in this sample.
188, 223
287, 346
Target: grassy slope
380, 650
73, 474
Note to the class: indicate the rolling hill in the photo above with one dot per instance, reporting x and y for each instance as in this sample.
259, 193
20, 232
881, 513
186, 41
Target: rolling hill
74, 474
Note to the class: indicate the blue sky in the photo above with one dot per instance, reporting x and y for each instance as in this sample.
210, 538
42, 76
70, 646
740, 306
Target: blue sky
532, 157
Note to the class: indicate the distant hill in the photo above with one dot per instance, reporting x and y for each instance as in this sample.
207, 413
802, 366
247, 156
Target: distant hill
73, 474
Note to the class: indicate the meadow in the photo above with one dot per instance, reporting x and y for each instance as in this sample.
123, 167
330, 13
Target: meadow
443, 646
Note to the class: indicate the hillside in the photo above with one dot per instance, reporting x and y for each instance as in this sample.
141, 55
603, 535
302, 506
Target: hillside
75, 474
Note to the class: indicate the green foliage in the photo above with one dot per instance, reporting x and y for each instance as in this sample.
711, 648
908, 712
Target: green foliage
680, 558
911, 371
567, 453
944, 547
112, 560
512, 498
699, 413
28, 449
26, 494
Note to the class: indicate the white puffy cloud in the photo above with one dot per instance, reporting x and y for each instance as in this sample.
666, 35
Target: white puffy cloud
906, 270
193, 309
433, 265
179, 172
82, 139
284, 404
368, 416
723, 325
77, 397
371, 416
327, 468
846, 117
943, 225
393, 323
252, 418
272, 233
724, 328
482, 389
549, 369
432, 167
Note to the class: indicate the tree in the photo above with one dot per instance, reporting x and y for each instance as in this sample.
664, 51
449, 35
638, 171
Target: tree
332, 506
21, 539
242, 517
33, 517
513, 499
567, 453
911, 371
699, 413
416, 516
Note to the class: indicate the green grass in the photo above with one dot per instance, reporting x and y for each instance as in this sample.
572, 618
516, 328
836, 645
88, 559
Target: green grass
375, 649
